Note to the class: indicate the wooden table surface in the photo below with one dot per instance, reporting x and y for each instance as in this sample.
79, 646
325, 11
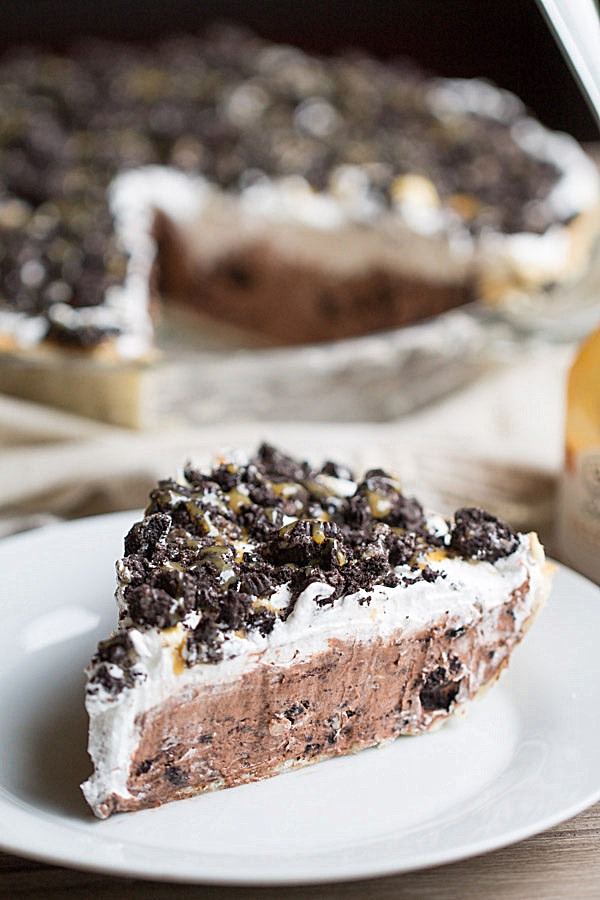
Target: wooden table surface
560, 864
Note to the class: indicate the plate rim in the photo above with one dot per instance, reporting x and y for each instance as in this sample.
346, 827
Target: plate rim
357, 871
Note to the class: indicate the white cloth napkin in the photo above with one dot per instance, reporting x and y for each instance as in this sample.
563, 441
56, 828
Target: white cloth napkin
495, 443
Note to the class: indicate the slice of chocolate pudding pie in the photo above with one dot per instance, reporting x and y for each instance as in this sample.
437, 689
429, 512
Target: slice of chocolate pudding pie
273, 614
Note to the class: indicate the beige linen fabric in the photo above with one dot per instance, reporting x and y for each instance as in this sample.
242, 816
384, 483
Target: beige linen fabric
495, 443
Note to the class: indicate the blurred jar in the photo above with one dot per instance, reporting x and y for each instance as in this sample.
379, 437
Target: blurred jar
579, 512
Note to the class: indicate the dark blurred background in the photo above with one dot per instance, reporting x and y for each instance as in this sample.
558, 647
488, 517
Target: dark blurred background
504, 40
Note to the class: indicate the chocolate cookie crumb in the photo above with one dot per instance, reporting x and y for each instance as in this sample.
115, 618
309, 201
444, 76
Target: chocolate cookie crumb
177, 776
479, 535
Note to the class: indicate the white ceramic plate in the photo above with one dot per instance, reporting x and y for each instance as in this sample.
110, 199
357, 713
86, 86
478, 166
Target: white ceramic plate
524, 759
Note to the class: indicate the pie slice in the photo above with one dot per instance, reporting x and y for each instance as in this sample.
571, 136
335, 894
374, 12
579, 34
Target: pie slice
273, 614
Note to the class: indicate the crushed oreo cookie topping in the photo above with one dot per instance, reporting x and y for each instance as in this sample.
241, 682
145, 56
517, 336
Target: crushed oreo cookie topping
229, 551
481, 536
